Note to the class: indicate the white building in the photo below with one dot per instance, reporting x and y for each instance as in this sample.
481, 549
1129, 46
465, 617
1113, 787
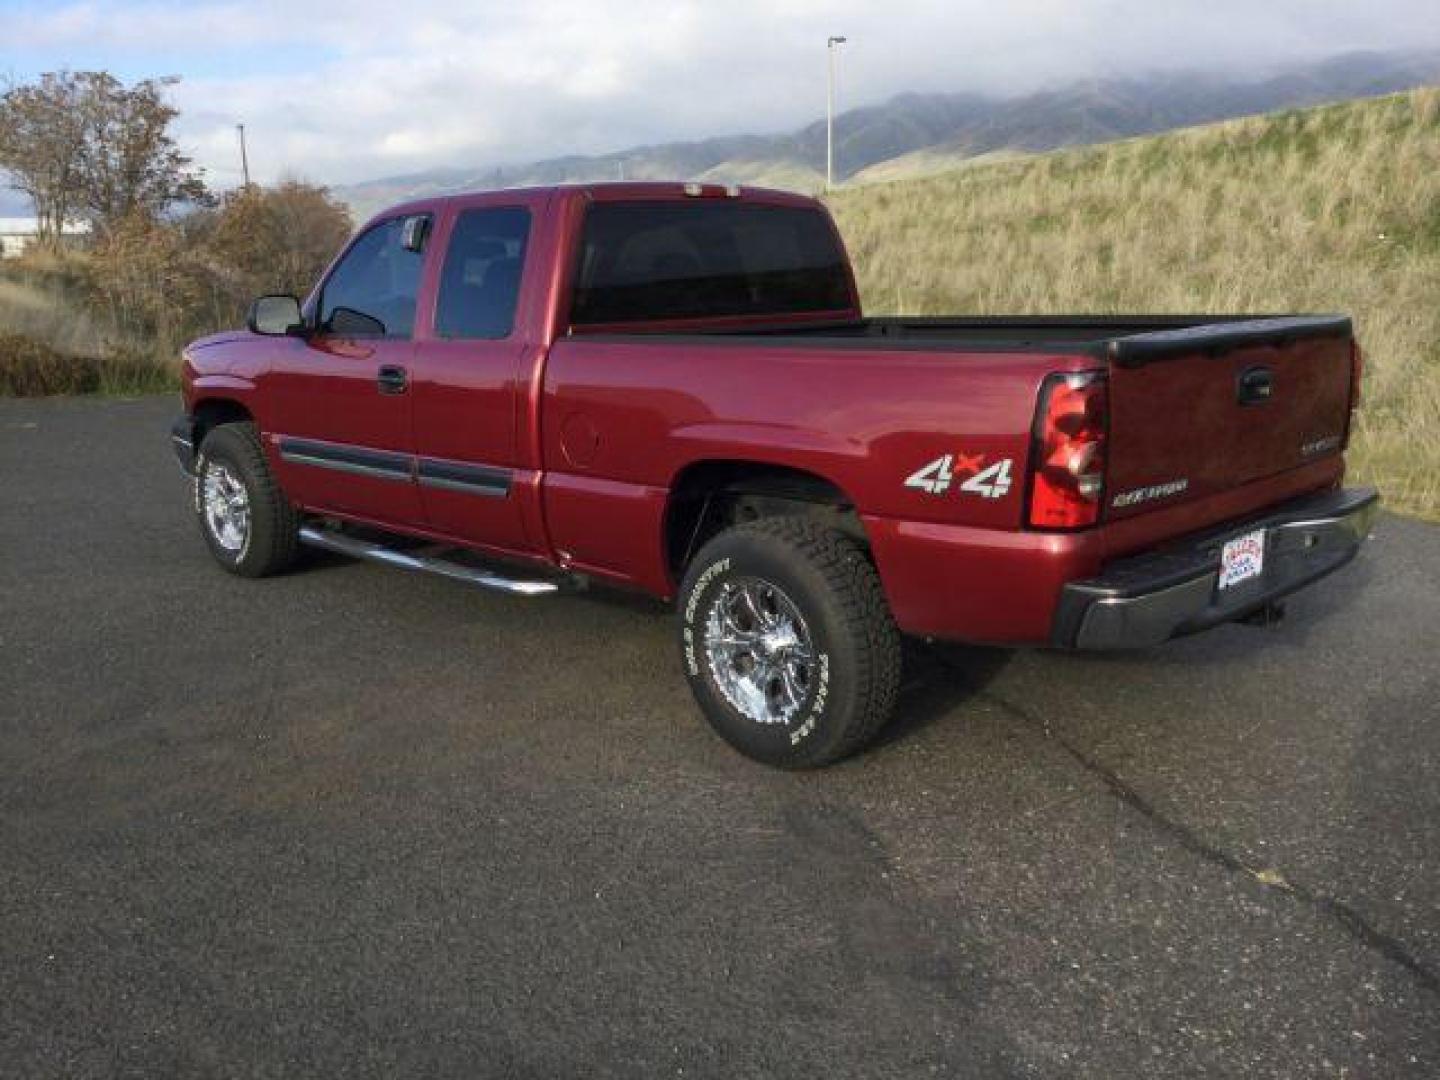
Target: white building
18, 233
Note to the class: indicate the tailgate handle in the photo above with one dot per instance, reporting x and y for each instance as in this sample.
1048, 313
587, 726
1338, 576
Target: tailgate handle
1255, 386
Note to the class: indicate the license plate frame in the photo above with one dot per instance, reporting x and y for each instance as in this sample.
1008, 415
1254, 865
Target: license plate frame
1242, 559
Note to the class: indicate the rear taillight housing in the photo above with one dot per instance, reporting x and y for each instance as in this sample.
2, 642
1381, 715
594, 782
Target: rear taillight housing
1067, 460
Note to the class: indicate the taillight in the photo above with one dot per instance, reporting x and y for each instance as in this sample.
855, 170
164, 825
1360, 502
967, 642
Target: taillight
1068, 457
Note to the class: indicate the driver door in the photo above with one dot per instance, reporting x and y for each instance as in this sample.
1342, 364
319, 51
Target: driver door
342, 397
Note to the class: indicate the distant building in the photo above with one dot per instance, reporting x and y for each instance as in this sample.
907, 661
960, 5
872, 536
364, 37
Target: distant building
18, 233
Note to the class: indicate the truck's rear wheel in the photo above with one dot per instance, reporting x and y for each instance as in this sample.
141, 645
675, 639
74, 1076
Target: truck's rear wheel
788, 642
248, 523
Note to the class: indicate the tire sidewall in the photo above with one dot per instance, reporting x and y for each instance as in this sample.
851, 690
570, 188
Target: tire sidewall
822, 719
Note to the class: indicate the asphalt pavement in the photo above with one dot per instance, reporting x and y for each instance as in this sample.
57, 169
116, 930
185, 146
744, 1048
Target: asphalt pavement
357, 822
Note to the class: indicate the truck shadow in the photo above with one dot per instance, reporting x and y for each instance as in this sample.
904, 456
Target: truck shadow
938, 678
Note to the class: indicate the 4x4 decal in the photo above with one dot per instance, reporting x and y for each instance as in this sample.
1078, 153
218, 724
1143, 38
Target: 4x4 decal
987, 481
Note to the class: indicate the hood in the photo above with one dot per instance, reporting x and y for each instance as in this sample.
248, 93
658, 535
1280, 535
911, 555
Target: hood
210, 355
221, 338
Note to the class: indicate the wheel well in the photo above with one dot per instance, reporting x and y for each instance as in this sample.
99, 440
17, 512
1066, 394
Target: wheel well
710, 496
213, 412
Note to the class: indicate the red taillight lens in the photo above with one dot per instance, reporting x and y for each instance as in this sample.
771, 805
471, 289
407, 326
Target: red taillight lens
1068, 458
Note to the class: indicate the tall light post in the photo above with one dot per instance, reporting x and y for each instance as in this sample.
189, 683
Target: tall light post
830, 44
244, 157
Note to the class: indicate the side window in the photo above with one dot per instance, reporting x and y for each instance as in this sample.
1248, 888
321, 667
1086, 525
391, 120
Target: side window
372, 291
481, 279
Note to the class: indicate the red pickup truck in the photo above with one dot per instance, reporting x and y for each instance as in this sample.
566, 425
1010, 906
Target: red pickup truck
672, 388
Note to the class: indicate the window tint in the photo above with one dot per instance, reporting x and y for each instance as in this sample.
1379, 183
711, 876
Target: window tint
481, 279
372, 291
650, 261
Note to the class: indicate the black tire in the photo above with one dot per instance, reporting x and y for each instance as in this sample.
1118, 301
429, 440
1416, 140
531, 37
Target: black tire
850, 689
272, 538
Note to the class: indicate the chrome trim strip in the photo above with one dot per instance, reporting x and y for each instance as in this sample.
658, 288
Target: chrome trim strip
464, 476
492, 490
358, 460
487, 481
377, 472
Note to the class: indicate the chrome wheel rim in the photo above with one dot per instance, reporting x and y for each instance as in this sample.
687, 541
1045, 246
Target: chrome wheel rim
226, 507
759, 651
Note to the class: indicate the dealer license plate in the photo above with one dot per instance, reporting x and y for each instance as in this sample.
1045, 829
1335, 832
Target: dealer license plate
1242, 558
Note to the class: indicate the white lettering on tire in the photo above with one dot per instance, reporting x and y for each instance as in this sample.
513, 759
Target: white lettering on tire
692, 662
701, 583
817, 706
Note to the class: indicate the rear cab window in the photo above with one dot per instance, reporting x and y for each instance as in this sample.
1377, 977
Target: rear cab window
480, 280
644, 262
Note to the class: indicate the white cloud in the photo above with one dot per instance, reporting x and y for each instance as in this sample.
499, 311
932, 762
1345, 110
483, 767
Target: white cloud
341, 90
144, 26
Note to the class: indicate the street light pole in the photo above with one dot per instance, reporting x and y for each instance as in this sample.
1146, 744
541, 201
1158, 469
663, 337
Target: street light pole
244, 157
830, 44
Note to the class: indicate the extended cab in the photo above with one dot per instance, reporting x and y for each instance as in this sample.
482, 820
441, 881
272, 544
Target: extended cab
672, 388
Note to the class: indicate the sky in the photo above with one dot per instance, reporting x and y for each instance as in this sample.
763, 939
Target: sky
338, 91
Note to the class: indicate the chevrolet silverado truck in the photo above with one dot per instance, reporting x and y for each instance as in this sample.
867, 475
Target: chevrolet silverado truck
672, 388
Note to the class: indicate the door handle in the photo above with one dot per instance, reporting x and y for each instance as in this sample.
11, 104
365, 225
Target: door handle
392, 379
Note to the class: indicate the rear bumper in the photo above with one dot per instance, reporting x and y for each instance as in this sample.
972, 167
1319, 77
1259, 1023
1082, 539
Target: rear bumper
182, 440
1146, 599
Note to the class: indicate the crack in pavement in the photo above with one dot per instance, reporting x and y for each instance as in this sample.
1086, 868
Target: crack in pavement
1349, 920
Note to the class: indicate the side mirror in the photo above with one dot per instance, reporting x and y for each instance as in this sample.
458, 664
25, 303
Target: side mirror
276, 316
347, 322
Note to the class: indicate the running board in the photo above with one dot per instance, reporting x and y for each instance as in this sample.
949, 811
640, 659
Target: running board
364, 549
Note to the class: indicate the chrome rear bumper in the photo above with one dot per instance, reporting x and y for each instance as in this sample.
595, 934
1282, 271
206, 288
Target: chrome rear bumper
1147, 599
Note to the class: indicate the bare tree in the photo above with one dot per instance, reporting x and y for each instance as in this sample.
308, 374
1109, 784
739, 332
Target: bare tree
129, 164
42, 134
83, 145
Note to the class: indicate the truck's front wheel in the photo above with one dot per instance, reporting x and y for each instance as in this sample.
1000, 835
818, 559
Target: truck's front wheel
788, 642
248, 523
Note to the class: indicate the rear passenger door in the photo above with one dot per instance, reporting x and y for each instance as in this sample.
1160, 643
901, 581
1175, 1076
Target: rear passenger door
469, 379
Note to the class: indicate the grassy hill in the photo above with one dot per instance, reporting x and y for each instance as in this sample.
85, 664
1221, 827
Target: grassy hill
1327, 209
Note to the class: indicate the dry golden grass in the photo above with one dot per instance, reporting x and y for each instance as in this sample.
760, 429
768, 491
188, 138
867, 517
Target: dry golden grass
50, 344
1328, 209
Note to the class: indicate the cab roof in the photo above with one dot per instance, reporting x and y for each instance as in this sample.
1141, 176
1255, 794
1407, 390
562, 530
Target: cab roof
611, 191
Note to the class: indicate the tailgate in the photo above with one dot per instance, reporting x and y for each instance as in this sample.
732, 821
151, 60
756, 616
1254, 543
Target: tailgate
1203, 409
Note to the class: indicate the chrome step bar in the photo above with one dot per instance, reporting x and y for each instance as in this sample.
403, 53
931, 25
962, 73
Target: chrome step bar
364, 549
